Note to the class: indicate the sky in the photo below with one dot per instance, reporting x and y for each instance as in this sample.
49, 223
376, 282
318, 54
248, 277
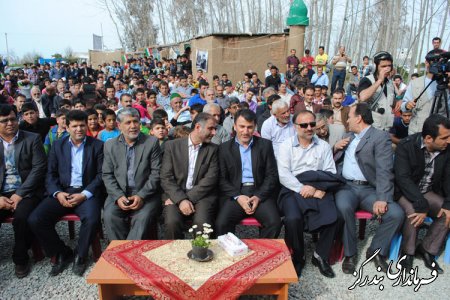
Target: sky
50, 26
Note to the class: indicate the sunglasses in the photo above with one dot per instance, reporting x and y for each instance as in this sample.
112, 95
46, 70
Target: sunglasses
5, 121
305, 125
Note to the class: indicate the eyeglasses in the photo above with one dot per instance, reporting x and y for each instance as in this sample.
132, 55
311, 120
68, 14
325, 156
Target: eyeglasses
5, 121
305, 125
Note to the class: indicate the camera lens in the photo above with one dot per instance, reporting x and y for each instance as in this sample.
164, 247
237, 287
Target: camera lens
381, 111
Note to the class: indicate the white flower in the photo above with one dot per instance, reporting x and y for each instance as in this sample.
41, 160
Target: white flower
206, 225
194, 226
190, 229
205, 236
199, 232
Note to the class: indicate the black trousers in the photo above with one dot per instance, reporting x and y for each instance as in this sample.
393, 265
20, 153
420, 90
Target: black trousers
294, 226
47, 214
231, 213
174, 220
22, 233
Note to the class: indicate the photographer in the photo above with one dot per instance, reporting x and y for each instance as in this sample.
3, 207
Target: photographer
420, 107
378, 91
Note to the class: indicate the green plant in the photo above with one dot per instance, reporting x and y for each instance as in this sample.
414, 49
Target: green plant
201, 237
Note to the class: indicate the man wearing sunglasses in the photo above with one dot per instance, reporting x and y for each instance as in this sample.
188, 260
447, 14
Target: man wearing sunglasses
366, 164
305, 207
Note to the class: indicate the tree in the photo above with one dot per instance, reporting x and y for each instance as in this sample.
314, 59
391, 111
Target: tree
31, 57
134, 22
57, 56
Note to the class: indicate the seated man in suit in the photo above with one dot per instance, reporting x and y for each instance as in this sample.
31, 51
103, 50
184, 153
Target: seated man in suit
22, 171
422, 177
131, 177
189, 176
300, 154
367, 165
74, 185
248, 181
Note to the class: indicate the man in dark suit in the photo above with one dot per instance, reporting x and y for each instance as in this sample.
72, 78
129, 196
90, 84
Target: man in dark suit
32, 123
131, 177
189, 175
85, 71
74, 185
22, 168
248, 179
422, 177
367, 165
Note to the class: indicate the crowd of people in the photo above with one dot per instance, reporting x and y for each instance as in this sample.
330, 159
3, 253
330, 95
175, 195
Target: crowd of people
151, 139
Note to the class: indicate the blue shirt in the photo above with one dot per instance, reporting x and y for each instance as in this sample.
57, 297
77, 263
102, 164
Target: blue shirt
351, 170
322, 80
105, 135
76, 172
246, 161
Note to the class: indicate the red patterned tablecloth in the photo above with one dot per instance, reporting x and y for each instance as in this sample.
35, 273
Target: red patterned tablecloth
134, 259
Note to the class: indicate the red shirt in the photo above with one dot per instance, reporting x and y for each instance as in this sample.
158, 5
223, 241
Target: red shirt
307, 61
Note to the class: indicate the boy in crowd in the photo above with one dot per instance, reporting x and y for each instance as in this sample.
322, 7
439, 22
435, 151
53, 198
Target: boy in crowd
400, 128
93, 127
57, 132
111, 130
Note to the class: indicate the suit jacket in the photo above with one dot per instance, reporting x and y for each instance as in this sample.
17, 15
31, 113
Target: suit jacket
264, 168
299, 106
174, 172
31, 162
147, 163
47, 104
374, 155
82, 72
60, 166
409, 167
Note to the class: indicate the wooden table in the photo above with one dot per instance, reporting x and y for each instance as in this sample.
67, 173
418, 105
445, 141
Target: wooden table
112, 283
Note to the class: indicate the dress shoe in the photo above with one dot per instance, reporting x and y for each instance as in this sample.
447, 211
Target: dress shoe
407, 263
323, 266
349, 264
428, 259
62, 261
79, 265
22, 270
298, 265
379, 261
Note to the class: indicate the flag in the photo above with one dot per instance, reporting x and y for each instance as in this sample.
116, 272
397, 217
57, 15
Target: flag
124, 58
97, 42
148, 52
172, 54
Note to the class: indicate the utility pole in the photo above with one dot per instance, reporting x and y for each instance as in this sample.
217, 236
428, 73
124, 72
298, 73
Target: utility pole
7, 49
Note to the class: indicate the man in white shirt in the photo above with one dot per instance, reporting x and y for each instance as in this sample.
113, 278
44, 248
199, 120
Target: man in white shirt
279, 126
298, 154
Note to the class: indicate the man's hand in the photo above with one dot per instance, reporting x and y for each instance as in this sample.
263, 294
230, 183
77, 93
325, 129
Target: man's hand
244, 202
253, 203
76, 199
136, 202
123, 203
446, 213
382, 74
341, 144
319, 194
417, 219
398, 106
410, 105
62, 198
380, 207
168, 202
307, 191
6, 203
186, 207
16, 199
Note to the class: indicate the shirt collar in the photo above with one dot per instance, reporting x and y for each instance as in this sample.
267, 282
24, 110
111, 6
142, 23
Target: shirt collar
190, 144
296, 142
13, 140
239, 143
362, 133
72, 144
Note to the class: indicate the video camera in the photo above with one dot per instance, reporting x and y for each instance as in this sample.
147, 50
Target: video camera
439, 66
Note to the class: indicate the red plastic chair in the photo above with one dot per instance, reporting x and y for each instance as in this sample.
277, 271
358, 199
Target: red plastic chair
250, 222
96, 246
